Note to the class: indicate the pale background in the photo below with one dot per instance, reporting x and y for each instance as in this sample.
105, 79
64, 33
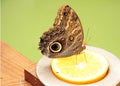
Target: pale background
24, 21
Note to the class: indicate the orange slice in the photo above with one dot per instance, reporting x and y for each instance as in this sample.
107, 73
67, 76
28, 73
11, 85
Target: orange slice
86, 67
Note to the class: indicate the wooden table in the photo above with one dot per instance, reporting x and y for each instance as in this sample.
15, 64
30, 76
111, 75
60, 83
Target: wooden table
13, 66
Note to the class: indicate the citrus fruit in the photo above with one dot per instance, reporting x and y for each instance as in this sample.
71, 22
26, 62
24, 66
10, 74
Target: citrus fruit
86, 67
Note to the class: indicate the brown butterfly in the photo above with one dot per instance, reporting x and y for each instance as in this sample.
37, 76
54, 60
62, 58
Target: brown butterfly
66, 36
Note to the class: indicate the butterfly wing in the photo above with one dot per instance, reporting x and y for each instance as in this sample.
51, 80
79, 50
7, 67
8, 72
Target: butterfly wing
67, 34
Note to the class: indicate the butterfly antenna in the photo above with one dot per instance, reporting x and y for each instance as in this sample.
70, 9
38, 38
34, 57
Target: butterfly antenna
87, 36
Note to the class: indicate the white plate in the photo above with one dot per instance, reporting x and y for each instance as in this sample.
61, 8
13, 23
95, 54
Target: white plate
46, 76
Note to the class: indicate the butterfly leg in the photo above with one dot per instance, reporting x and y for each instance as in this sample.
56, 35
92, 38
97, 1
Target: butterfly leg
85, 57
76, 60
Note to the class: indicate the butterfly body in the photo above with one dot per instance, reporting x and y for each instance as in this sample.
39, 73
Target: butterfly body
66, 36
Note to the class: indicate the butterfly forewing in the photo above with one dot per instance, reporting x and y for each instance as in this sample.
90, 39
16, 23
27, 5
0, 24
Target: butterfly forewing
66, 32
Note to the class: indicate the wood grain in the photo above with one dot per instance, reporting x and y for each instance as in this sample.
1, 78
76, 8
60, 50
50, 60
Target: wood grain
12, 66
31, 77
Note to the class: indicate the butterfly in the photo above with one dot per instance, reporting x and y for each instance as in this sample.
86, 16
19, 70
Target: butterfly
65, 37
